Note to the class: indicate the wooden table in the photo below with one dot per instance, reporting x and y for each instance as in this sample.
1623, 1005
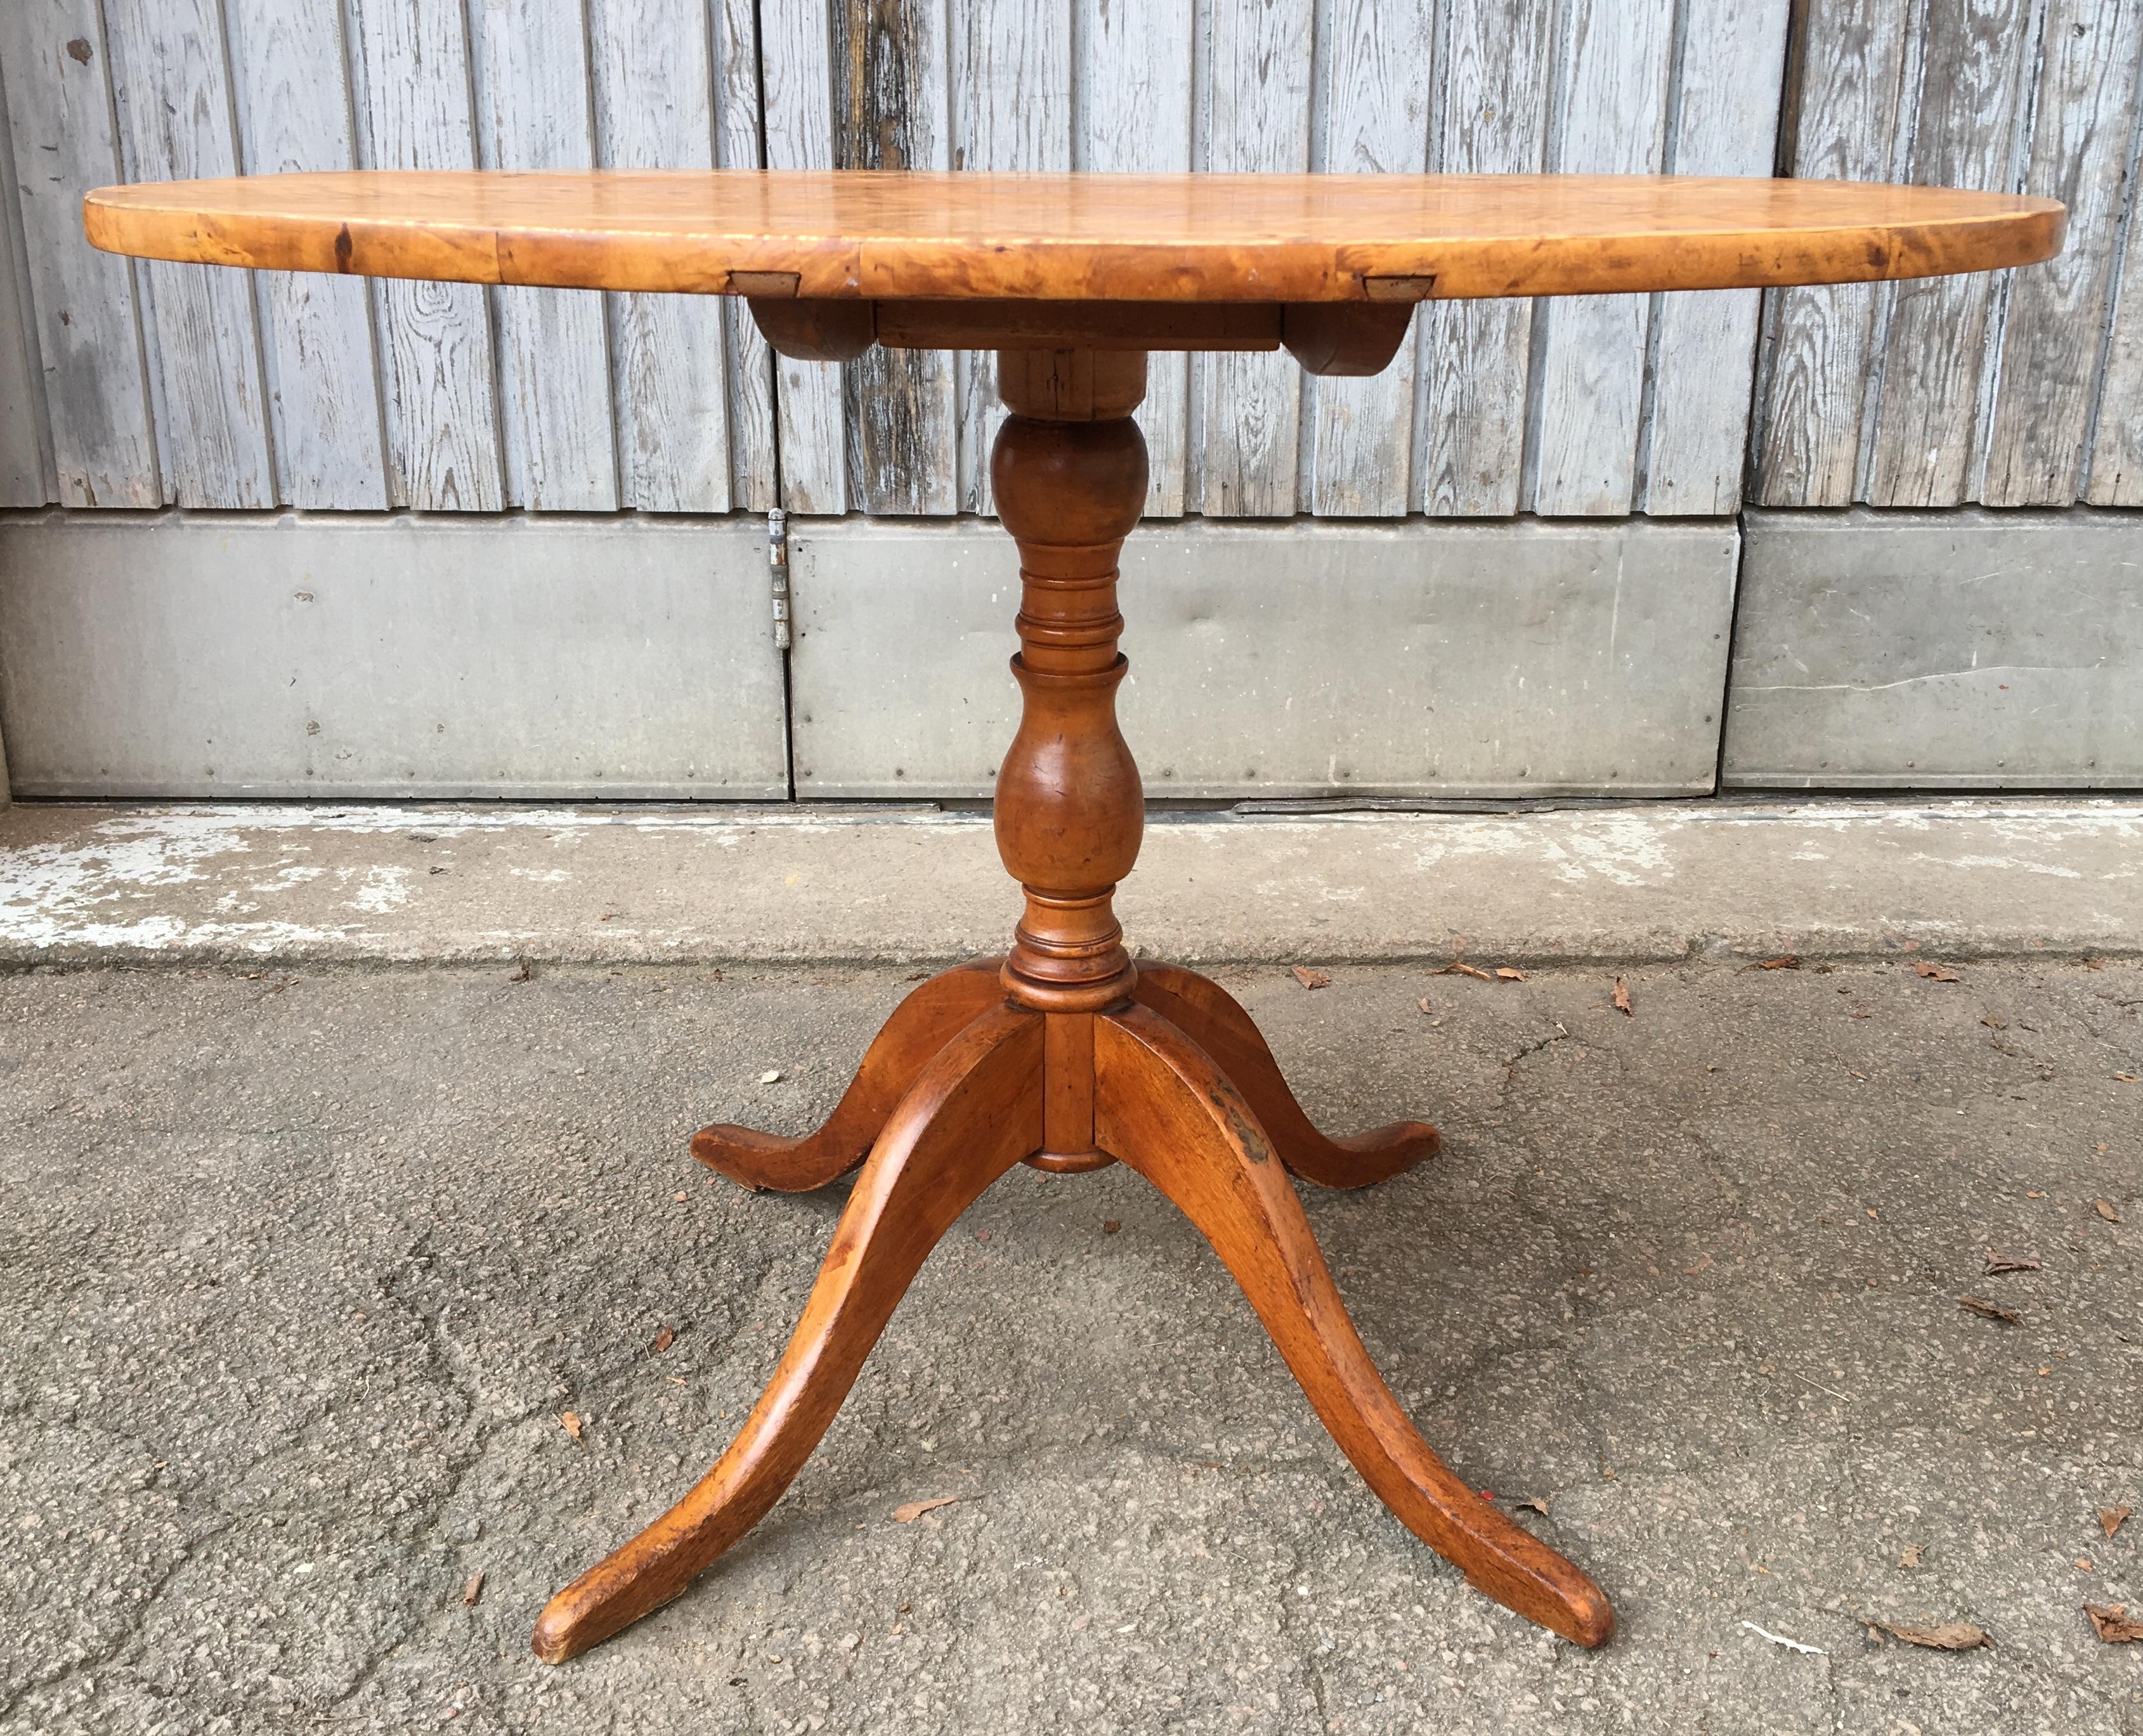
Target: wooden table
1064, 1054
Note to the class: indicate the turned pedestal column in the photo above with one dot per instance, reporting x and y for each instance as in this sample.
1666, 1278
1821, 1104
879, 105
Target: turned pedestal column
1069, 474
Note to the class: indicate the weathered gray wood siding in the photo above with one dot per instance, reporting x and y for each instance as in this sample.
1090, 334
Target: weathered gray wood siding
135, 385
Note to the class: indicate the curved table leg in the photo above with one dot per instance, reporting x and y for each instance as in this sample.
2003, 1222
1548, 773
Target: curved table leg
920, 1026
975, 1112
1163, 1107
1212, 1018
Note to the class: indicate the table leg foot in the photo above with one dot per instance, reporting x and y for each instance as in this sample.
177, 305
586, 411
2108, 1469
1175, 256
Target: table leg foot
920, 1026
974, 1112
1163, 1106
1212, 1018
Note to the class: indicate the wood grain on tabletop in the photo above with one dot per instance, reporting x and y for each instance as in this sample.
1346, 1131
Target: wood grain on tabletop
1163, 238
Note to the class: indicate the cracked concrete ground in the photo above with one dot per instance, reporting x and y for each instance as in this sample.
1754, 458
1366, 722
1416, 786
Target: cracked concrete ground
298, 1273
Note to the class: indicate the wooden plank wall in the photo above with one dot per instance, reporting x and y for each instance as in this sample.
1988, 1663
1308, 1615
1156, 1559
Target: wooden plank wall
139, 385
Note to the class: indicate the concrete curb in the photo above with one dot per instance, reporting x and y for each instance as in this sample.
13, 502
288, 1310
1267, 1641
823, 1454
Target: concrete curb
1630, 883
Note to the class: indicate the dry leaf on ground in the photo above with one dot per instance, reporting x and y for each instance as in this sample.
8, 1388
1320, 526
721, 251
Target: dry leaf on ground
1622, 998
1537, 1504
1994, 1024
472, 1592
1935, 972
1110, 1226
523, 974
1309, 978
1784, 961
2113, 1624
2112, 1519
1504, 973
1422, 1003
1997, 1261
909, 1511
1460, 967
1941, 1636
570, 1420
1911, 1558
2104, 1208
1980, 1305
772, 1075
664, 1340
2129, 1078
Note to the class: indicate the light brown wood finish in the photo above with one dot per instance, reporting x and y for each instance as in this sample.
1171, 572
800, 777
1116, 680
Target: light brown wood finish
1255, 238
1168, 1111
1066, 1055
922, 1024
975, 1111
1210, 1016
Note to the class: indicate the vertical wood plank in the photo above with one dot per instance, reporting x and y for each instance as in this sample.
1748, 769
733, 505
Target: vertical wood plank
1251, 416
2081, 152
796, 47
413, 96
1618, 54
654, 96
2115, 458
88, 332
1376, 68
291, 78
1964, 135
1012, 112
1133, 97
25, 460
893, 111
1732, 62
176, 123
1476, 355
532, 112
739, 143
1851, 65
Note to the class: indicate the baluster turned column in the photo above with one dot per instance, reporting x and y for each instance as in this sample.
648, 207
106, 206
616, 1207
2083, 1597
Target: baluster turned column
1069, 473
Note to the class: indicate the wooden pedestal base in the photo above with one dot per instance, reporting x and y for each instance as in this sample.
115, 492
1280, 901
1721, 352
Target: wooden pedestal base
1067, 1056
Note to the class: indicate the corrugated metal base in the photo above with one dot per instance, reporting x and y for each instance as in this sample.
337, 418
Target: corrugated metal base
196, 655
1524, 658
1965, 649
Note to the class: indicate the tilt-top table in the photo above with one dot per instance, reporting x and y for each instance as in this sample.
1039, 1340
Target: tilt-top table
1064, 1054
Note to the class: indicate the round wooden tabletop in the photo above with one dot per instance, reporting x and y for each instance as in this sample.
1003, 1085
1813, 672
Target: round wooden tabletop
1175, 238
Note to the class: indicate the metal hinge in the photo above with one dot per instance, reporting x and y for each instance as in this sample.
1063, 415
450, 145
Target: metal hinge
777, 566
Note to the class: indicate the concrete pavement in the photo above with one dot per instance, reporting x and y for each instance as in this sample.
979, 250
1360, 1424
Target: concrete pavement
1644, 882
301, 1267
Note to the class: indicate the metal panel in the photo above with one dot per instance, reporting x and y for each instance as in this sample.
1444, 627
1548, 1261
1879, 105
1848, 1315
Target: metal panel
166, 654
1952, 650
1522, 659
